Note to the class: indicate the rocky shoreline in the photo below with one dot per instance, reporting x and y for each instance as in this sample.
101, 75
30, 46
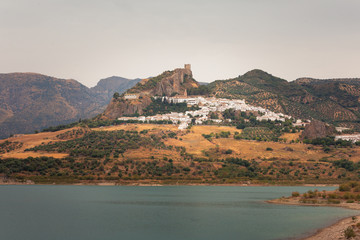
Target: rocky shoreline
337, 230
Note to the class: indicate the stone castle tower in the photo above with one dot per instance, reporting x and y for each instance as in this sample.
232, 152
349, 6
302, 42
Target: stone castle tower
188, 66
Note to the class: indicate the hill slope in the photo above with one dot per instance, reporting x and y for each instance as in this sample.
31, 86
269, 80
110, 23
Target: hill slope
149, 153
334, 101
31, 101
339, 98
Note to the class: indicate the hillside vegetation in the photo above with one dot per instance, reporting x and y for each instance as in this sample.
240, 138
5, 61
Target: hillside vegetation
129, 153
334, 101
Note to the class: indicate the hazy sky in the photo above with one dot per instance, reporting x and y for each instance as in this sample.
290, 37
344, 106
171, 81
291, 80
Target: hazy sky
88, 40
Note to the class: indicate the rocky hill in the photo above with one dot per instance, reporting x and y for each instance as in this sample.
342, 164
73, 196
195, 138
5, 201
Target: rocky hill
334, 101
317, 129
169, 83
30, 101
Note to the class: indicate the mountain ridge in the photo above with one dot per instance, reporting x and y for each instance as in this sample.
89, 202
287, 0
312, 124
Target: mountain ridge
33, 101
46, 101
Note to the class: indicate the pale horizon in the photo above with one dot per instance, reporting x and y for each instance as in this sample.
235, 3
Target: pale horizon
91, 40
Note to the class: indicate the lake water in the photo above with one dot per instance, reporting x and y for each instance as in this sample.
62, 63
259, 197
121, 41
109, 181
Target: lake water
161, 213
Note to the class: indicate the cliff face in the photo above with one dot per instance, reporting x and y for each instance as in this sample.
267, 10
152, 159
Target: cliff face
168, 84
177, 82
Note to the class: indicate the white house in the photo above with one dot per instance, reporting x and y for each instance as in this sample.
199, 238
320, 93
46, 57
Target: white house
131, 96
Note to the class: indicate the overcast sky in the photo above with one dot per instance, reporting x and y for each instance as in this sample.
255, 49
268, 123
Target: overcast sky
88, 40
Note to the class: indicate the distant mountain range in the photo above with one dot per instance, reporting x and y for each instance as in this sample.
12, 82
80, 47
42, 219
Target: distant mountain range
106, 87
30, 101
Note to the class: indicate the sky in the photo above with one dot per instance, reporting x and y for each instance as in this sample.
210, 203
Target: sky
88, 40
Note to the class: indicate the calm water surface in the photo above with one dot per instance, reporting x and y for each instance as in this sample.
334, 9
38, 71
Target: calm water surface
171, 212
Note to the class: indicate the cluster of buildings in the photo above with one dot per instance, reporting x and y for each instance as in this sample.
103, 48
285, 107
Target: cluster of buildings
351, 137
206, 106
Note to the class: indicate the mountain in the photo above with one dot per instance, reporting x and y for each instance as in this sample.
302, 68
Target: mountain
334, 100
108, 86
31, 101
137, 98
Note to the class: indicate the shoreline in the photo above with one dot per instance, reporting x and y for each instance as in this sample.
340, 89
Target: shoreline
109, 183
335, 231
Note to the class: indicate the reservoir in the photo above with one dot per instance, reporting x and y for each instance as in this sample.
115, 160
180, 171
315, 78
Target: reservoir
40, 212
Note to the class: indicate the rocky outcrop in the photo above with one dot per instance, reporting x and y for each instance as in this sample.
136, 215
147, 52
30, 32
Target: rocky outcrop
177, 82
317, 129
169, 83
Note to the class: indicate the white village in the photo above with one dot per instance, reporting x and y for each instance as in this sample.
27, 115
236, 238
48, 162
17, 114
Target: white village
206, 106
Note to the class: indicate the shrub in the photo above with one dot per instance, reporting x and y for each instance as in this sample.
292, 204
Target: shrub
229, 151
295, 194
269, 149
349, 233
333, 201
344, 187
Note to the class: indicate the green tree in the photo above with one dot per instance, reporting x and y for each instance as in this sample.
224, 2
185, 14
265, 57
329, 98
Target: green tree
116, 95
